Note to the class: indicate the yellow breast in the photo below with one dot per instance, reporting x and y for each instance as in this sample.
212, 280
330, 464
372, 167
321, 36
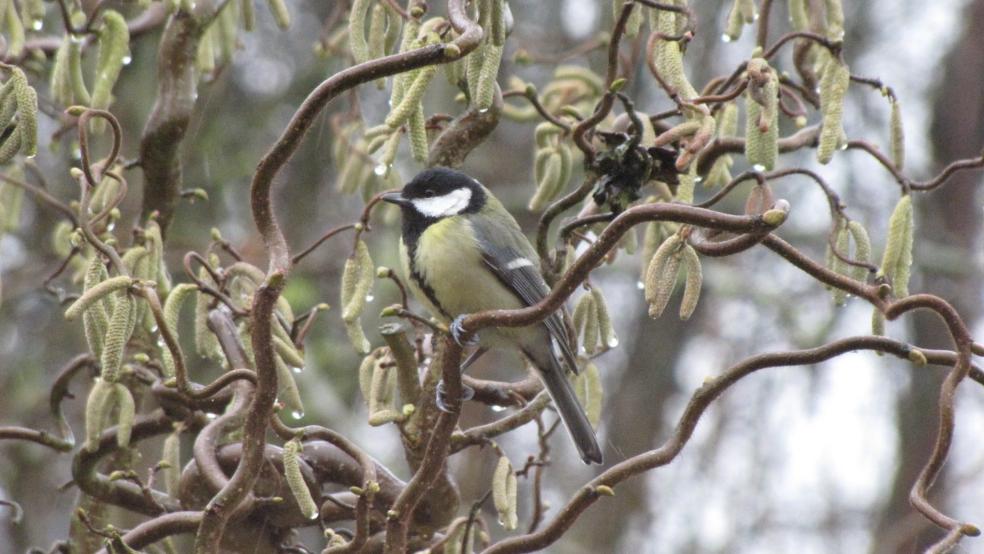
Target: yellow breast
464, 284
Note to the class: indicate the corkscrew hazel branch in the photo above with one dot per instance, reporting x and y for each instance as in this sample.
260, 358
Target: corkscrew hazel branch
702, 398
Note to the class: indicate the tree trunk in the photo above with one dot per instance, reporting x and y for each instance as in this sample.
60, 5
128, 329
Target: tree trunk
635, 417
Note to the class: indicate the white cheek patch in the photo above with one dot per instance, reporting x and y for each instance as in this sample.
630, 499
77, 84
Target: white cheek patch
449, 204
518, 263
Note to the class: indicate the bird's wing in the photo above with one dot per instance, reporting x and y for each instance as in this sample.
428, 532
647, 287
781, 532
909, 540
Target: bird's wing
512, 259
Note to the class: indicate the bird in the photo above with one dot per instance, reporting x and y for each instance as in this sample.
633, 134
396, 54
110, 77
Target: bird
462, 252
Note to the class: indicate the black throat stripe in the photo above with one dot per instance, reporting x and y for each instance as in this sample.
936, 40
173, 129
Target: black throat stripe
411, 240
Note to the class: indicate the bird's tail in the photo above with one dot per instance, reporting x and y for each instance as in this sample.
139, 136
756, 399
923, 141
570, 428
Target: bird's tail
575, 420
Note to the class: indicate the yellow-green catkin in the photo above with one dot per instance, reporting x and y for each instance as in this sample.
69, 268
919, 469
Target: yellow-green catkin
589, 391
798, 16
592, 82
172, 309
10, 147
79, 91
583, 311
154, 242
897, 259
388, 153
743, 12
350, 160
96, 293
661, 275
97, 406
205, 59
106, 193
456, 542
383, 395
357, 279
411, 98
897, 136
357, 29
877, 323
114, 50
60, 82
280, 13
366, 369
95, 318
61, 239
15, 29
410, 30
833, 87
376, 41
553, 165
206, 344
227, 31
417, 129
548, 181
504, 493
126, 414
295, 479
118, 331
246, 338
727, 127
11, 201
171, 460
687, 186
8, 103
498, 31
284, 344
287, 391
862, 249
33, 13
473, 61
606, 330
592, 328
25, 136
652, 237
137, 262
393, 26
842, 242
27, 121
287, 351
677, 132
629, 243
669, 55
485, 87
635, 21
835, 19
700, 139
762, 118
248, 14
692, 283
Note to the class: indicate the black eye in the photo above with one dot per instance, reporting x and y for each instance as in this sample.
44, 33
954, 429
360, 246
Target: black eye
428, 193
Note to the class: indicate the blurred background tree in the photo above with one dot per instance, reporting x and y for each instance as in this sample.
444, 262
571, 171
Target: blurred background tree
819, 458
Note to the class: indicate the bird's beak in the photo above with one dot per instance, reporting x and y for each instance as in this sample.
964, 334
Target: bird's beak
395, 198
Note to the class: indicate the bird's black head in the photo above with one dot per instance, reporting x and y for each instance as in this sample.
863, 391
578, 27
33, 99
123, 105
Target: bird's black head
438, 193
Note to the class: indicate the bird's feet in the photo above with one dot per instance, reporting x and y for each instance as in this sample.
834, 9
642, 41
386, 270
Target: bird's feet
442, 396
460, 335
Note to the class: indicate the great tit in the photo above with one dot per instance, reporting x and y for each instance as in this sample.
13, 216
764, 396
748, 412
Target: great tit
463, 253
